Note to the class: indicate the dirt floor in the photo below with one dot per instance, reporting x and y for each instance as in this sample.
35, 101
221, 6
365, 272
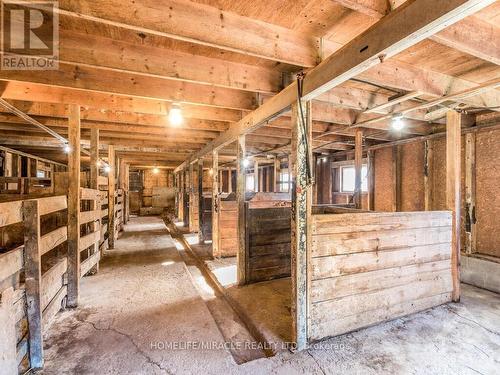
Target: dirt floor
149, 303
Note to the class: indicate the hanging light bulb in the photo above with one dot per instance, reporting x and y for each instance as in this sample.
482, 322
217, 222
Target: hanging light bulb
67, 148
107, 168
246, 162
397, 122
156, 170
175, 115
211, 172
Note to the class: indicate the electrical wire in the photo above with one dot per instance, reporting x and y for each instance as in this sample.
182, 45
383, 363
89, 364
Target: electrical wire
303, 126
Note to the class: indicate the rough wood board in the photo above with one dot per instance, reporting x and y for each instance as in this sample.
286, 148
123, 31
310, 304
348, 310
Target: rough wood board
487, 192
383, 180
412, 188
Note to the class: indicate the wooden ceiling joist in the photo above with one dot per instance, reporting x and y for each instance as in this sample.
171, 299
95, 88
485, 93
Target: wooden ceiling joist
402, 28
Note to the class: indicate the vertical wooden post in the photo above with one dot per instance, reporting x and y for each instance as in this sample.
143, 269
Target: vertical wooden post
200, 201
229, 180
300, 224
371, 181
111, 197
453, 161
396, 171
277, 168
191, 197
33, 276
428, 175
240, 200
74, 206
215, 204
256, 183
180, 212
127, 196
358, 165
94, 184
470, 193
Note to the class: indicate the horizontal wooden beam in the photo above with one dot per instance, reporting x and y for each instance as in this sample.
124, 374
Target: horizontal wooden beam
403, 28
95, 80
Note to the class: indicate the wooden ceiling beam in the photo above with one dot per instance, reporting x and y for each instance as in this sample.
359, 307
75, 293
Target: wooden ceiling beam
470, 35
93, 80
115, 55
200, 24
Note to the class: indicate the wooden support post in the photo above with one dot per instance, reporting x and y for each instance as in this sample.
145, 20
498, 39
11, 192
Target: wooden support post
453, 161
371, 181
33, 277
396, 170
256, 179
215, 204
127, 196
200, 201
470, 193
181, 195
111, 197
74, 206
277, 168
191, 197
240, 201
358, 165
94, 177
428, 175
300, 224
229, 180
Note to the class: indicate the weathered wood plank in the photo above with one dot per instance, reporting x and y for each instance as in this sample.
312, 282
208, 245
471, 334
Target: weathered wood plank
55, 305
90, 194
8, 362
11, 213
90, 216
52, 281
52, 204
11, 262
347, 264
90, 262
344, 243
88, 240
348, 324
240, 201
341, 286
53, 239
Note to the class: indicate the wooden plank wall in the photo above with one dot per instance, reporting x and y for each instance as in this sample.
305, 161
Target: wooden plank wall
206, 225
228, 221
268, 241
367, 268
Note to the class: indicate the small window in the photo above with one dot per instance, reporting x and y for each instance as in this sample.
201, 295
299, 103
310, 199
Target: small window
40, 174
348, 179
284, 182
250, 182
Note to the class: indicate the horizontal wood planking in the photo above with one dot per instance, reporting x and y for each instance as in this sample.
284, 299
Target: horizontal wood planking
348, 243
90, 216
346, 264
228, 221
324, 329
52, 281
90, 194
53, 239
52, 204
89, 240
90, 262
53, 307
336, 287
11, 262
268, 241
370, 267
11, 213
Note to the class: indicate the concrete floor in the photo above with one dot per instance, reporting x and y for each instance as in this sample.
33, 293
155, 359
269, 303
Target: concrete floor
145, 298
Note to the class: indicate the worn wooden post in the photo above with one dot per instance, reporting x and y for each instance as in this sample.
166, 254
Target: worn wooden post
277, 167
396, 171
127, 196
180, 209
215, 204
94, 184
453, 161
371, 181
191, 197
358, 165
74, 206
240, 200
256, 183
470, 193
33, 277
428, 175
201, 238
111, 197
300, 223
229, 180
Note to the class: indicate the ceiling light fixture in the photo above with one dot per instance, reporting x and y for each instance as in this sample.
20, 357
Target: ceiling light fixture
246, 162
397, 122
175, 115
156, 170
107, 168
67, 148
